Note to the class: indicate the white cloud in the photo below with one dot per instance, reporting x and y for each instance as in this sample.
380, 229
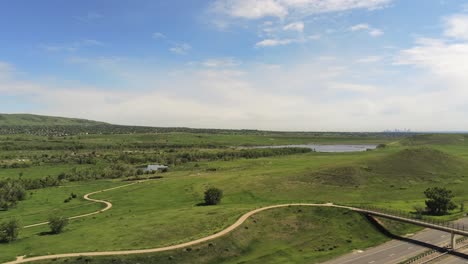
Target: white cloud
370, 59
103, 62
250, 9
275, 42
255, 9
180, 48
351, 87
72, 47
447, 60
220, 63
374, 32
158, 35
314, 37
6, 70
296, 26
253, 98
456, 26
359, 27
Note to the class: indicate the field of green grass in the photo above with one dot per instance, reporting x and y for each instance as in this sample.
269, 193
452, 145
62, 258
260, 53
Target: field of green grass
165, 212
286, 235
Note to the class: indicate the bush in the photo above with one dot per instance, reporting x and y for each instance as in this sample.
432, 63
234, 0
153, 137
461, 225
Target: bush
9, 231
213, 196
57, 224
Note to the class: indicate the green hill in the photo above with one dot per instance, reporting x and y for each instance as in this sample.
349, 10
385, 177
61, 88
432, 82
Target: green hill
407, 165
38, 120
434, 139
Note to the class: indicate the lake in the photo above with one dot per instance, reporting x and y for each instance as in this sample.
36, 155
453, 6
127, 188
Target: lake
327, 148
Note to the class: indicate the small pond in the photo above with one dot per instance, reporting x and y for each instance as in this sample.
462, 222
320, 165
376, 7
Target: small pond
328, 148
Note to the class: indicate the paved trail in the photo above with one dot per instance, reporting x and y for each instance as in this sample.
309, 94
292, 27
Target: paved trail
240, 221
86, 197
167, 248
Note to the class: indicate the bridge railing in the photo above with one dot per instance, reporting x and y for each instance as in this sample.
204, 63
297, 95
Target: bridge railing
416, 217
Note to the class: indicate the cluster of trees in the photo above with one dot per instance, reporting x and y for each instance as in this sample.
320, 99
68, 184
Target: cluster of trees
439, 200
11, 192
9, 230
173, 157
66, 130
114, 171
14, 190
15, 165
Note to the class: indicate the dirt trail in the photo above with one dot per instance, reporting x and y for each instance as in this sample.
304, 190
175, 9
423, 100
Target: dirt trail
86, 197
223, 232
242, 219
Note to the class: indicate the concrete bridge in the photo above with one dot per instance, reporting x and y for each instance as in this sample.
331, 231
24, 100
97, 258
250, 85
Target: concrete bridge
449, 227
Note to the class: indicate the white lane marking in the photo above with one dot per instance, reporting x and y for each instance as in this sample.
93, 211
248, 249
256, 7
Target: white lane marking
347, 261
371, 261
391, 255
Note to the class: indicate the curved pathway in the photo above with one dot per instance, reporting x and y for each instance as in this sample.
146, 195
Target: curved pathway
223, 232
86, 197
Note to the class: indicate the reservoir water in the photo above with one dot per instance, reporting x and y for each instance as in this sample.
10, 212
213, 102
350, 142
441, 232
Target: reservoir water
328, 148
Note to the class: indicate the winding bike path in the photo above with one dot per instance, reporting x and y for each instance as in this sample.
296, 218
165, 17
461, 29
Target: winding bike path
221, 233
240, 221
86, 197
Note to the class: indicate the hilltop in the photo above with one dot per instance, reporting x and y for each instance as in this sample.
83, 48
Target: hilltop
408, 165
434, 139
40, 120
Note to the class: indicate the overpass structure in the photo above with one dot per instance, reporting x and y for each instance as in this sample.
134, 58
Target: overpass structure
449, 227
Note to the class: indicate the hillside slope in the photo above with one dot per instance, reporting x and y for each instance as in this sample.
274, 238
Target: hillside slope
39, 120
406, 166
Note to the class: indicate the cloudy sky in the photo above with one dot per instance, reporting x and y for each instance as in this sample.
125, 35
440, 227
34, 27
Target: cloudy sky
321, 65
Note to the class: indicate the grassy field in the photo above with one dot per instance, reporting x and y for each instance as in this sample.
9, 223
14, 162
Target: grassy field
164, 211
286, 235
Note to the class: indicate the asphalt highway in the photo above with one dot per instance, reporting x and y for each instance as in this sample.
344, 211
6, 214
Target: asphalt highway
396, 251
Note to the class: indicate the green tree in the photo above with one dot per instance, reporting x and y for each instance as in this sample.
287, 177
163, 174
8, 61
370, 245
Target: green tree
439, 200
57, 224
9, 230
213, 196
10, 193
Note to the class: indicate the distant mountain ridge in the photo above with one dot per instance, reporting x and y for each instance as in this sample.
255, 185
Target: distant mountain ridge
40, 120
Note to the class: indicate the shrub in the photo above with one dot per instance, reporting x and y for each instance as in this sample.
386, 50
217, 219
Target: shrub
213, 196
57, 224
9, 230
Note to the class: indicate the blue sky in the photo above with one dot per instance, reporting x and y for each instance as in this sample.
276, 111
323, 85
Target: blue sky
342, 65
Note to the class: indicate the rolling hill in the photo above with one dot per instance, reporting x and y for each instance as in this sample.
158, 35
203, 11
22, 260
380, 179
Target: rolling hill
39, 120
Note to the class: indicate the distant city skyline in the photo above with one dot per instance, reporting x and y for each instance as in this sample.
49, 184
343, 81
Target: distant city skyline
284, 65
